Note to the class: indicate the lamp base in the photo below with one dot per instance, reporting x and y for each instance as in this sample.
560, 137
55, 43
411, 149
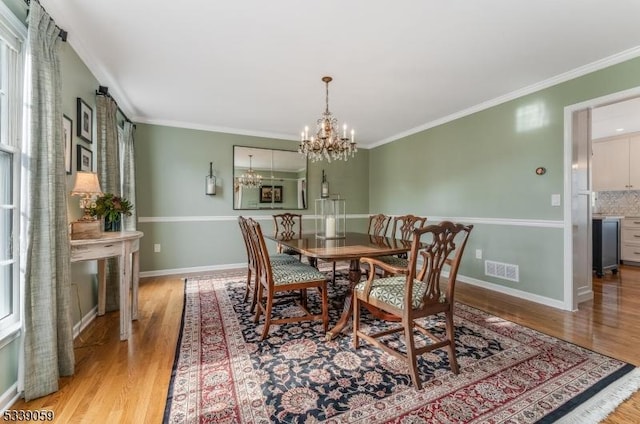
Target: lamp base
82, 230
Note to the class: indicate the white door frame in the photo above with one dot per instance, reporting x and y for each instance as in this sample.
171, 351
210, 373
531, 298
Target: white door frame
570, 300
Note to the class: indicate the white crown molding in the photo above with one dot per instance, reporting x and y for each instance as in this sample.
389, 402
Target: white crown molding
99, 72
575, 73
213, 128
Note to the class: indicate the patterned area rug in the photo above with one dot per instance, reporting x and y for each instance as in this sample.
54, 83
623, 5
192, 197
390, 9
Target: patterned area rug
508, 373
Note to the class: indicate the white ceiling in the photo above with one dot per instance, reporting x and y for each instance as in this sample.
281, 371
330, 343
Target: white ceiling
255, 67
617, 118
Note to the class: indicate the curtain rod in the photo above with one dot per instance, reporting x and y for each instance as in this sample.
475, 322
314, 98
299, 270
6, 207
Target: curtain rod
63, 34
104, 91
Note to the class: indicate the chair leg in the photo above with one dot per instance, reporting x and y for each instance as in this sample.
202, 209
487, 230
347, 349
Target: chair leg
356, 322
451, 337
255, 293
411, 355
258, 300
267, 316
333, 276
303, 298
246, 292
325, 307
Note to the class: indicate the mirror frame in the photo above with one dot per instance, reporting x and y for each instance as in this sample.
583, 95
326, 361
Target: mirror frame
278, 193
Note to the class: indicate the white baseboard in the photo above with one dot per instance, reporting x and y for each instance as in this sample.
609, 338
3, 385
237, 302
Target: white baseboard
197, 269
584, 295
85, 321
558, 304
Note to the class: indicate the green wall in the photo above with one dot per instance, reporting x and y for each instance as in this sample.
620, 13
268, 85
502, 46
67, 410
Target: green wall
199, 231
481, 167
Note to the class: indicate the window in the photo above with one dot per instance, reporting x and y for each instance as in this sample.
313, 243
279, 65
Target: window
11, 74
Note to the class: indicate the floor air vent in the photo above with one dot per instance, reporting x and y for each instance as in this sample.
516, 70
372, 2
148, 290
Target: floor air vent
500, 270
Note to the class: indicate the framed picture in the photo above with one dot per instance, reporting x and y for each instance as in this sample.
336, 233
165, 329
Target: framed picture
67, 130
85, 159
85, 121
270, 194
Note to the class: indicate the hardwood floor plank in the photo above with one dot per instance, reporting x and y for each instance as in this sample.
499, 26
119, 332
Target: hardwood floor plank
127, 382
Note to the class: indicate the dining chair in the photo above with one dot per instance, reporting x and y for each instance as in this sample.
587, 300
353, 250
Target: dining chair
273, 280
252, 262
403, 226
287, 226
379, 224
415, 292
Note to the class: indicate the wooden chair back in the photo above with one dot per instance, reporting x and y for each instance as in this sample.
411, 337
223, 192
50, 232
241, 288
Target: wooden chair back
404, 225
287, 226
379, 224
447, 244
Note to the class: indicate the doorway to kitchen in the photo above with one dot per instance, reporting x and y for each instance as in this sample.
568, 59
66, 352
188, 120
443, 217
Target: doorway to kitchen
578, 188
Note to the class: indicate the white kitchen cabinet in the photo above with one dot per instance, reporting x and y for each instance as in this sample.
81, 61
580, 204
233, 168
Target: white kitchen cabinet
615, 164
630, 240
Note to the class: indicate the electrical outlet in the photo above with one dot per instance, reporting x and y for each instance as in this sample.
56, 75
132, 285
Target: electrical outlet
156, 248
555, 200
478, 253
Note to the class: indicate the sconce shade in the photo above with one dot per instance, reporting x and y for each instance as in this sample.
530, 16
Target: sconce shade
86, 184
210, 182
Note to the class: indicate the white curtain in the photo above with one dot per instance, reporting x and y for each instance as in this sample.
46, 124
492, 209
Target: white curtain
128, 173
109, 176
46, 274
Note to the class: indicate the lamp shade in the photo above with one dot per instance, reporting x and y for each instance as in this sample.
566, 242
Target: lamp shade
86, 184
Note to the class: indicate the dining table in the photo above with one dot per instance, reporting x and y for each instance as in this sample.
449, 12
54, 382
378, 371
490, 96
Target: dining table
352, 247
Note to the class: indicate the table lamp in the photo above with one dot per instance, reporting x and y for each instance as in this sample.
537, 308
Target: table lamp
87, 187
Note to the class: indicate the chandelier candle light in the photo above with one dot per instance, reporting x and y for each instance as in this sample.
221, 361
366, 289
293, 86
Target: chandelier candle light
328, 143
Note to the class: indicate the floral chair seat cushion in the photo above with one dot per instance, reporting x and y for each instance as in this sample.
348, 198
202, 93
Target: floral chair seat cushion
390, 290
282, 258
295, 273
394, 261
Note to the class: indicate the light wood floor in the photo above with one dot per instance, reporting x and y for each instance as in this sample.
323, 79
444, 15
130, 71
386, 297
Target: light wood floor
127, 382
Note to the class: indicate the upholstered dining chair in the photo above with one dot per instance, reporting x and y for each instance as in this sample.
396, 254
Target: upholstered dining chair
273, 280
252, 262
287, 226
379, 224
403, 226
413, 293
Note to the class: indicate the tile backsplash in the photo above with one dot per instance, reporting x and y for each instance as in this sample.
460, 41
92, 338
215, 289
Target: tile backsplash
625, 203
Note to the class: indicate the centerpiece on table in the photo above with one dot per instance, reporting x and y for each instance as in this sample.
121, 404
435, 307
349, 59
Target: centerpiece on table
111, 208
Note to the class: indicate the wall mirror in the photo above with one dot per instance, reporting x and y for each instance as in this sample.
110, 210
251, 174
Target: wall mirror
269, 179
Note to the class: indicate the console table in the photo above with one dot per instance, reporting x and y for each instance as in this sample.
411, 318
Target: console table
126, 246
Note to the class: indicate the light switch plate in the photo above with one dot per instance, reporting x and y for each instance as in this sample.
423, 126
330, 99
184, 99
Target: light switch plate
555, 200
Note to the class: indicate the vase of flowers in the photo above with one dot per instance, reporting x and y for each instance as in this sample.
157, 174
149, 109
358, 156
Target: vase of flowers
111, 208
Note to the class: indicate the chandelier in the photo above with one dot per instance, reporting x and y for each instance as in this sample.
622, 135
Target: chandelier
328, 143
250, 179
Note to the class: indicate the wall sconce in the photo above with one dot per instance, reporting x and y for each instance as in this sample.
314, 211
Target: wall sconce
210, 182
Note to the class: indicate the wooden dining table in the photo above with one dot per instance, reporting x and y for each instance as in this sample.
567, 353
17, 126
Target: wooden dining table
352, 247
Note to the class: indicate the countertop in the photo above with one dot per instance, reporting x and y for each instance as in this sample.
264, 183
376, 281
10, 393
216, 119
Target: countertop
603, 217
